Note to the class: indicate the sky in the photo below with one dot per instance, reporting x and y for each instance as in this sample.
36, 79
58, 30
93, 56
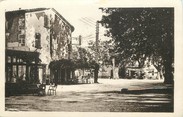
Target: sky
82, 14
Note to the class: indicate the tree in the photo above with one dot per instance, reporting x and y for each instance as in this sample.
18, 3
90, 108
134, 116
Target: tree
83, 59
142, 33
104, 53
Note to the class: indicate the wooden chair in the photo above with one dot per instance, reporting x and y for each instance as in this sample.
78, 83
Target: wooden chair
52, 89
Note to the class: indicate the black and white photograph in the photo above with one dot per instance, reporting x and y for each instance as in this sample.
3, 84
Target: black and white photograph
88, 56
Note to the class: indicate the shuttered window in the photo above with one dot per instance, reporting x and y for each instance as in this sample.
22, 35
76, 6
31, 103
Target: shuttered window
38, 40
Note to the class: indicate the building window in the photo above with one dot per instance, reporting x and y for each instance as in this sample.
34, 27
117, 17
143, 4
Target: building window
46, 21
14, 75
21, 28
38, 40
153, 72
9, 59
21, 39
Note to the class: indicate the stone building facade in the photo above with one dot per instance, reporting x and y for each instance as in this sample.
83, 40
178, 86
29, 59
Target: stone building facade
42, 31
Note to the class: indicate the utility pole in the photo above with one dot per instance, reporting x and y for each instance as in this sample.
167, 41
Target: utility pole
80, 40
96, 54
113, 67
97, 42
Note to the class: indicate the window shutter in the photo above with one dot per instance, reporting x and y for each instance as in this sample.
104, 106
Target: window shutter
38, 40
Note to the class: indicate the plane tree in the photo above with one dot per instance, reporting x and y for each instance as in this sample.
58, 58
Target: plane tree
141, 33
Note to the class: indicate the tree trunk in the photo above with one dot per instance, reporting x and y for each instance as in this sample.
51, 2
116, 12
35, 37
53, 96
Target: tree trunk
168, 58
168, 73
160, 70
95, 76
123, 72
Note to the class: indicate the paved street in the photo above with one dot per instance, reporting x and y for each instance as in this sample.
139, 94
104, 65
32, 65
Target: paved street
141, 96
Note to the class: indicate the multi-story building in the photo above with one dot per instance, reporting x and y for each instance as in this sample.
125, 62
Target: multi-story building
34, 38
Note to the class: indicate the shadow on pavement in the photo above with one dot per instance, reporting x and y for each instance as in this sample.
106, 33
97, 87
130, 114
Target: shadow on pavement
159, 91
143, 91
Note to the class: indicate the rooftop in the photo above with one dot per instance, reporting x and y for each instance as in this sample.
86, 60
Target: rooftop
40, 9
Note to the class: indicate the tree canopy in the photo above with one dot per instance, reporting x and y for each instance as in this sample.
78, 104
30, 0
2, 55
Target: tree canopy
103, 51
141, 33
83, 59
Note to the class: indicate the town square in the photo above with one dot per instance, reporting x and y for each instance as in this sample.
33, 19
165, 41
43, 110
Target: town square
88, 57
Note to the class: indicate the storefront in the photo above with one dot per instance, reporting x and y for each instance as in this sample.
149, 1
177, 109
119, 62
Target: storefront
23, 67
61, 71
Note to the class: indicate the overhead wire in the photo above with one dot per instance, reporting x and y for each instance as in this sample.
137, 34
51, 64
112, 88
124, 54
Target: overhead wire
89, 21
85, 22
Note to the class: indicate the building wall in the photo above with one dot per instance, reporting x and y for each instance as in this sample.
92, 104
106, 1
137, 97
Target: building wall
34, 24
55, 34
105, 71
43, 31
60, 33
15, 31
